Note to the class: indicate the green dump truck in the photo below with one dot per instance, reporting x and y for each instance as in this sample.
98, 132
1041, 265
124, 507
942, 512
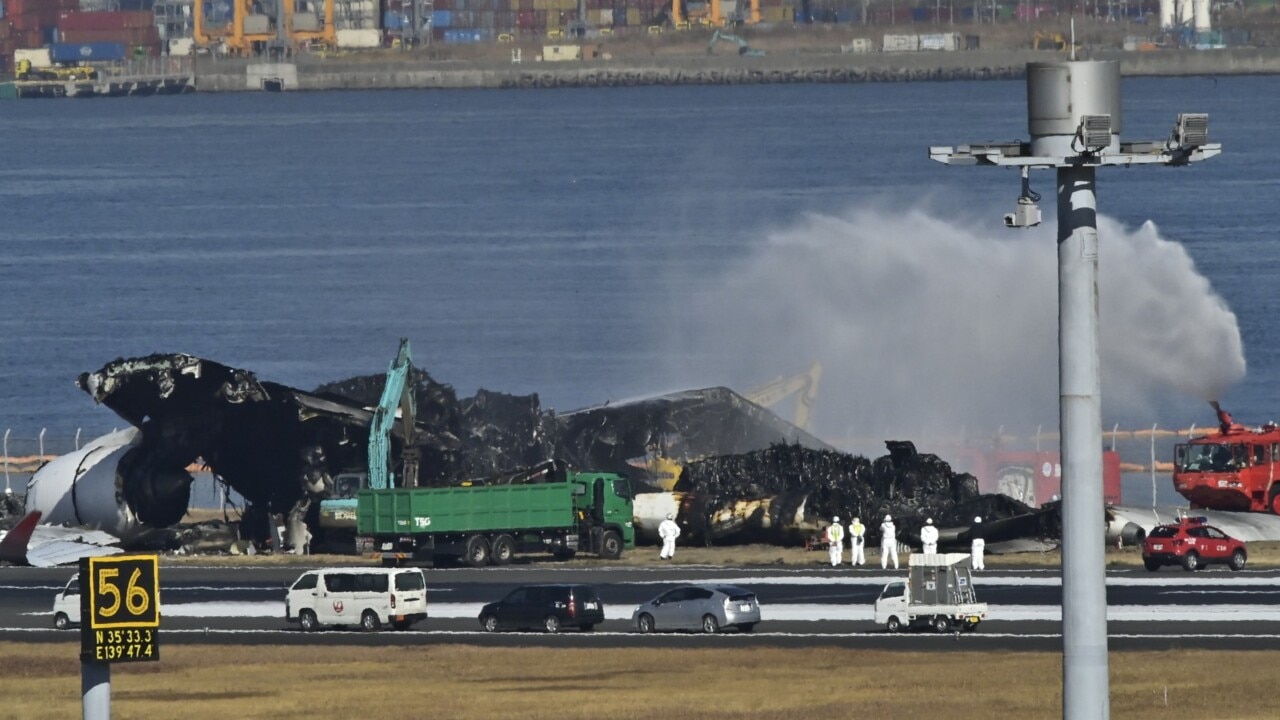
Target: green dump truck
490, 524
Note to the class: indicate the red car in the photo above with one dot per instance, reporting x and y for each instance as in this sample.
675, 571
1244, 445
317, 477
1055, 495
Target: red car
1192, 543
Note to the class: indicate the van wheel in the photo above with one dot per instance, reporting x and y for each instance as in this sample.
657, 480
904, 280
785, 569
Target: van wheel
489, 623
61, 621
710, 625
894, 625
611, 545
551, 623
369, 621
477, 551
307, 621
502, 550
644, 623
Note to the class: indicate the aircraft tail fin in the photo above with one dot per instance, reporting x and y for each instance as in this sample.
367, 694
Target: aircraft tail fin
13, 547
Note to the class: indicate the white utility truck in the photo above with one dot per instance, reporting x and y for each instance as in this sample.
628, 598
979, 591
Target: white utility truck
937, 594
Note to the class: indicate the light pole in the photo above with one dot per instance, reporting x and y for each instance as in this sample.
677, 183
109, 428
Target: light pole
1074, 120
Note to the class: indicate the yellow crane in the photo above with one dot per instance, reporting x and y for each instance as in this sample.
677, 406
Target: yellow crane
245, 31
664, 471
775, 391
682, 17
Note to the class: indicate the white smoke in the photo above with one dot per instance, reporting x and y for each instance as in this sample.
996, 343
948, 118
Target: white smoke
930, 326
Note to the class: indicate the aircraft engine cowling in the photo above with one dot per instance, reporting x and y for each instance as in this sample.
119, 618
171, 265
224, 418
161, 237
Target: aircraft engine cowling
110, 484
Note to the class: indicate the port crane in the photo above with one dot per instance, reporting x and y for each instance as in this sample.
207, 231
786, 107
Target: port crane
683, 15
252, 27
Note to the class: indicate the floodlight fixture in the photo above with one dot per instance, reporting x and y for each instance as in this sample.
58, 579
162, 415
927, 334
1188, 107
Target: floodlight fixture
1094, 132
1192, 130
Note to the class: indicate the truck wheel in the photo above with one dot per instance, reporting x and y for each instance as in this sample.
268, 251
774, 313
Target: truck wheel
942, 624
369, 621
477, 551
307, 621
1238, 559
502, 549
1190, 561
61, 621
710, 625
1275, 502
894, 625
611, 545
551, 623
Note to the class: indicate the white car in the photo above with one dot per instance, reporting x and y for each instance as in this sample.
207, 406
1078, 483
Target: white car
66, 606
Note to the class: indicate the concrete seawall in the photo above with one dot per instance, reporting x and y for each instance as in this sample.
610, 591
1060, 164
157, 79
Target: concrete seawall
231, 75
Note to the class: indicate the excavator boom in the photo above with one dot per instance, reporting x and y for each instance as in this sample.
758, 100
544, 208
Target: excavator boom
397, 393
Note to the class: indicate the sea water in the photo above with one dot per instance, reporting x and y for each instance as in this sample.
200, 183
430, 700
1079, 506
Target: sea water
604, 244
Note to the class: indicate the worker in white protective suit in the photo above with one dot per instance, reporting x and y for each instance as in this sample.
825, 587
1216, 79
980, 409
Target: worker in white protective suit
978, 546
835, 541
888, 543
929, 537
668, 530
858, 542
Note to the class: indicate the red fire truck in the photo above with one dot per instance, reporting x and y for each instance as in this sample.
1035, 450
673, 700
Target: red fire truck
1232, 469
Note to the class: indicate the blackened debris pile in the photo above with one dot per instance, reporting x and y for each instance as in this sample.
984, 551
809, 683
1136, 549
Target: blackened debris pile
905, 484
684, 425
475, 437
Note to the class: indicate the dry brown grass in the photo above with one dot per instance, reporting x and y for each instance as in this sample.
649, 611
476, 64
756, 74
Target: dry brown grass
470, 683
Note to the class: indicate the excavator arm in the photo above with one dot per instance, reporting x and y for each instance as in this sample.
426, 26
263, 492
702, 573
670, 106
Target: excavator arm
397, 393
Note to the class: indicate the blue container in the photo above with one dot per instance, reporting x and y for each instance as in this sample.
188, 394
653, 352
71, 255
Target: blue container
441, 18
86, 52
392, 20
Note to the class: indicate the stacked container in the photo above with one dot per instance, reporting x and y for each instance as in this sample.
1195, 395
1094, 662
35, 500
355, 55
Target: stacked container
29, 24
135, 29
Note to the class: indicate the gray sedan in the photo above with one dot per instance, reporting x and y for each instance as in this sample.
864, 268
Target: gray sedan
708, 608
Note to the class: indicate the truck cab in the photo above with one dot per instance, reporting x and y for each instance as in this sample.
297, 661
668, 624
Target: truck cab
604, 501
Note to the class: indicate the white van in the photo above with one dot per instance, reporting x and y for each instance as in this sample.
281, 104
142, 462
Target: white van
66, 605
368, 597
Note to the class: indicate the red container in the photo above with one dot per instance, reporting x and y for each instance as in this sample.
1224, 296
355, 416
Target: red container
75, 20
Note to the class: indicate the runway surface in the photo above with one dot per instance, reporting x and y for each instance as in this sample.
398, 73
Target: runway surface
801, 607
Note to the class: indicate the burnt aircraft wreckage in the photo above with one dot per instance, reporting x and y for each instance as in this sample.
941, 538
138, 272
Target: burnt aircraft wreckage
744, 474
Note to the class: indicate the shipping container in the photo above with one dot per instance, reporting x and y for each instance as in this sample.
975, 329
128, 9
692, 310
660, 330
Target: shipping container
39, 57
901, 43
87, 52
941, 41
181, 46
361, 38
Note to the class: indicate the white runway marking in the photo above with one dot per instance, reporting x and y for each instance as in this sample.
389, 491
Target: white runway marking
793, 612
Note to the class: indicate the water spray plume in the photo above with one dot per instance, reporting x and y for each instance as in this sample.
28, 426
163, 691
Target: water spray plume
930, 325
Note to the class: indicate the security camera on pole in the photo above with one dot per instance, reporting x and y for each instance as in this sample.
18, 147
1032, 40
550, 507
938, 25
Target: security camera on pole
1074, 119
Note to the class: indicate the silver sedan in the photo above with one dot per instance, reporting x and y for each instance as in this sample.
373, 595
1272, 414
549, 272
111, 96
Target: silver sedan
708, 608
